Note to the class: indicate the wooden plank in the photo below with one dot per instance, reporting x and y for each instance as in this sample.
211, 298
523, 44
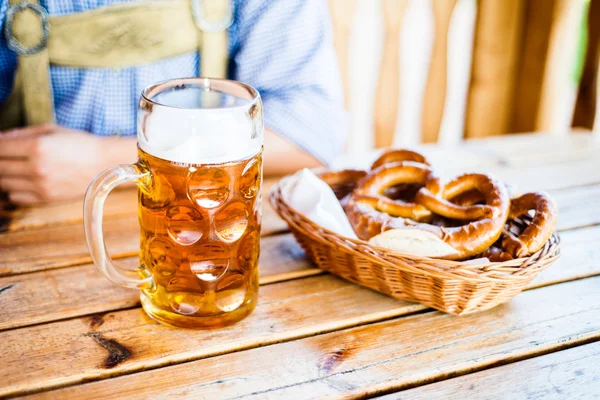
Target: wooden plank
516, 150
388, 93
23, 303
510, 150
435, 91
286, 310
342, 17
372, 359
559, 89
50, 295
32, 250
63, 245
550, 177
533, 56
282, 259
578, 207
555, 171
536, 148
580, 258
495, 66
120, 203
585, 108
567, 374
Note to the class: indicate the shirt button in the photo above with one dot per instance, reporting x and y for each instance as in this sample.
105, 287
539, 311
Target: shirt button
116, 71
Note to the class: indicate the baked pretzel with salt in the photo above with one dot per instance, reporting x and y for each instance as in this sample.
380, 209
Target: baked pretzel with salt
452, 243
399, 204
540, 228
392, 156
344, 181
368, 197
532, 238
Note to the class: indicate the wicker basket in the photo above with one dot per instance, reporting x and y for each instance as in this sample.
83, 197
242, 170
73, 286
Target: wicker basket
454, 287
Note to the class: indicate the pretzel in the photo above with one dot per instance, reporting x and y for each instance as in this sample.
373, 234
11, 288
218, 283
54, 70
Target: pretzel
468, 198
369, 190
468, 183
474, 196
342, 182
466, 240
539, 230
403, 191
496, 254
392, 156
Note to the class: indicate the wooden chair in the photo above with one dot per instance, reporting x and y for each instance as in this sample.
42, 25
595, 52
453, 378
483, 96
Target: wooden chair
443, 70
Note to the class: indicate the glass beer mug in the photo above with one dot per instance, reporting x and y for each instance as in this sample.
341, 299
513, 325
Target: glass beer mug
199, 177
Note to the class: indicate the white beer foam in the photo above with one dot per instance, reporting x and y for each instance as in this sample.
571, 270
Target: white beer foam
199, 136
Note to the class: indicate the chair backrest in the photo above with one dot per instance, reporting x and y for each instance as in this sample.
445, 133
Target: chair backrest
443, 70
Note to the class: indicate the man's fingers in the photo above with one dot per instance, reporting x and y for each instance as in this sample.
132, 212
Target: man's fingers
28, 131
15, 168
20, 142
16, 148
10, 185
24, 198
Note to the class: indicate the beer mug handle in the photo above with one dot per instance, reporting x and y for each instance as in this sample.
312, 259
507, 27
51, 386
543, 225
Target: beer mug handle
93, 207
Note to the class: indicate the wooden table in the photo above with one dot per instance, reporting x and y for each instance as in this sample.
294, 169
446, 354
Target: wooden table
67, 332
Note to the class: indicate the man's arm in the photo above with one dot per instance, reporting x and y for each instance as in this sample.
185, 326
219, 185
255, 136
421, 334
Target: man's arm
286, 52
47, 163
282, 157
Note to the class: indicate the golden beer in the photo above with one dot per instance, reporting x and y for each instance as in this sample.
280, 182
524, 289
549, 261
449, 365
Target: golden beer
200, 232
199, 176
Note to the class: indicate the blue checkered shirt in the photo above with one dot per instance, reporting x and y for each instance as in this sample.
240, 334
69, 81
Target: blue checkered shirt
281, 47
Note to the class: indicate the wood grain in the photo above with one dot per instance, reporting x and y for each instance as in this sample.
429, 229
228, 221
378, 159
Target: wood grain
578, 207
435, 90
82, 290
585, 108
68, 352
120, 203
368, 360
388, 86
285, 311
281, 259
106, 344
513, 151
533, 56
555, 176
567, 374
342, 17
71, 292
64, 245
558, 74
495, 65
580, 258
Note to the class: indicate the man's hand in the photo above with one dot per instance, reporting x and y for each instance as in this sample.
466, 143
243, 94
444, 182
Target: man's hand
47, 163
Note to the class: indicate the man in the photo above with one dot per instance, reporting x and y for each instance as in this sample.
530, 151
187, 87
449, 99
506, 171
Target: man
281, 47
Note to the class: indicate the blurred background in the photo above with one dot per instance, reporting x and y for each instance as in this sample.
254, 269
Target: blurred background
443, 70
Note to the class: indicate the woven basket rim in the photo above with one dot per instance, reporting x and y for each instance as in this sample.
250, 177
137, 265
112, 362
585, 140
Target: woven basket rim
520, 268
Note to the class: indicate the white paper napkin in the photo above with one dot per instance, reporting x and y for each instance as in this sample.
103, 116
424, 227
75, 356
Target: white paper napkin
314, 199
